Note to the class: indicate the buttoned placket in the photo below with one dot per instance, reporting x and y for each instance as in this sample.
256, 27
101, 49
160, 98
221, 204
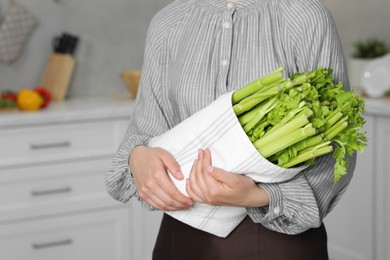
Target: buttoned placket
226, 47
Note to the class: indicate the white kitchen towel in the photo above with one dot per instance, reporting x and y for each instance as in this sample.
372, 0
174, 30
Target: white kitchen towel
16, 26
216, 127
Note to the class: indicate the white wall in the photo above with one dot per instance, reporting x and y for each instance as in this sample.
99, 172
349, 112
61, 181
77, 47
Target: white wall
359, 19
113, 34
112, 39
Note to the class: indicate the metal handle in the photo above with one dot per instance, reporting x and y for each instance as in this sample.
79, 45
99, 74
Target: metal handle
63, 242
50, 145
36, 193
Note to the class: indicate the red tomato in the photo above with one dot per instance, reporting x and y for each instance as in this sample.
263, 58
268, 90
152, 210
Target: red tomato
45, 94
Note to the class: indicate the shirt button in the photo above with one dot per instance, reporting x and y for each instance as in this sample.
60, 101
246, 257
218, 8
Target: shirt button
226, 25
276, 210
229, 5
224, 62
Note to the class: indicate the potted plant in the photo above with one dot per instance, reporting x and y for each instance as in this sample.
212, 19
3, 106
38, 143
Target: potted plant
364, 52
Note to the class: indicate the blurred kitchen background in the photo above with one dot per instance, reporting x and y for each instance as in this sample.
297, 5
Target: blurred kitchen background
53, 202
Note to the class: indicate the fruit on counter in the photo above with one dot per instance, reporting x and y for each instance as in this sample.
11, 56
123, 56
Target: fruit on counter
45, 94
9, 95
29, 99
25, 99
8, 100
6, 104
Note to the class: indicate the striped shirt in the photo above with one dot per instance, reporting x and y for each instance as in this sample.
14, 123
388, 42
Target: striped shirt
197, 50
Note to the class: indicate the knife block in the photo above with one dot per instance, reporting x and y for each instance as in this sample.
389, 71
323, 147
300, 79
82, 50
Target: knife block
57, 75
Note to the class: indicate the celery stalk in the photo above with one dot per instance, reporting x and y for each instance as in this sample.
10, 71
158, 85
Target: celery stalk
258, 131
257, 85
300, 80
286, 119
332, 114
268, 87
336, 131
298, 121
335, 126
307, 156
287, 140
260, 114
250, 102
245, 118
309, 142
329, 123
314, 147
337, 110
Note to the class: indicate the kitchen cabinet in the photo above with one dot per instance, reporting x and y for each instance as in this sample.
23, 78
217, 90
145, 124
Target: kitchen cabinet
382, 185
358, 227
53, 199
86, 236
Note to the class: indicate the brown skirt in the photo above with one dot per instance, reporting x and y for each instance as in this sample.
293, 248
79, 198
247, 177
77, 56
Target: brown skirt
249, 241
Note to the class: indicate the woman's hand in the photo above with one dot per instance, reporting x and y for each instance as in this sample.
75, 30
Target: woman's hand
215, 186
149, 168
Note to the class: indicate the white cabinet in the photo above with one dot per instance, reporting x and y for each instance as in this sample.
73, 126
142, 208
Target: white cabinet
358, 228
382, 185
53, 188
51, 142
350, 225
53, 199
85, 236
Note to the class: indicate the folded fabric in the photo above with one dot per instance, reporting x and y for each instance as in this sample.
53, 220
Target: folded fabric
216, 127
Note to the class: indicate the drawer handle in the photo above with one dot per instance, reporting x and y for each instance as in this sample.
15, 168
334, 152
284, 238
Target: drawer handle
36, 193
64, 242
50, 145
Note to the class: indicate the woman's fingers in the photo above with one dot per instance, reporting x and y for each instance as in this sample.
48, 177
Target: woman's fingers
165, 195
192, 193
156, 203
206, 160
222, 176
172, 165
199, 172
201, 187
210, 182
168, 192
148, 166
169, 202
193, 181
166, 184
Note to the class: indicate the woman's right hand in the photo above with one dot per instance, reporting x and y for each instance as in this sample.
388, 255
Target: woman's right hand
149, 169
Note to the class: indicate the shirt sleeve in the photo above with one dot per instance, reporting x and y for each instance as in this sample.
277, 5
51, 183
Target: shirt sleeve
147, 120
302, 202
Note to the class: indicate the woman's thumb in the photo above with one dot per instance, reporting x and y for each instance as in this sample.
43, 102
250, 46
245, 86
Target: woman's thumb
172, 166
221, 175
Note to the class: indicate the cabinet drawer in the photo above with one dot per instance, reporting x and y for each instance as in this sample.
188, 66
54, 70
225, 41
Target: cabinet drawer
93, 236
51, 189
57, 142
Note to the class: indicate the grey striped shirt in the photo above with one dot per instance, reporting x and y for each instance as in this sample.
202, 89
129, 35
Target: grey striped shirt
197, 50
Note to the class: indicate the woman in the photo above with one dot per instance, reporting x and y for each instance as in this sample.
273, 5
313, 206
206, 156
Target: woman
197, 50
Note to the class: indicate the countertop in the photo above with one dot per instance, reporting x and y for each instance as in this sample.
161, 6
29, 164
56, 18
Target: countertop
78, 109
120, 106
378, 106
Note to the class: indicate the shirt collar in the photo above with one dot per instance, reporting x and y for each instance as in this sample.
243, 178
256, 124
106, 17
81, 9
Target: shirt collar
240, 4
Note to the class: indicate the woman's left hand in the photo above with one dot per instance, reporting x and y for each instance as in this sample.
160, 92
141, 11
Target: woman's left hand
215, 186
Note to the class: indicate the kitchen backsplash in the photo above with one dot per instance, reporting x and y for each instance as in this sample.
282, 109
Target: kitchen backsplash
112, 36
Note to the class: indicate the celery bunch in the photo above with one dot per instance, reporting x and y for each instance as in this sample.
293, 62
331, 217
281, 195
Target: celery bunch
292, 121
